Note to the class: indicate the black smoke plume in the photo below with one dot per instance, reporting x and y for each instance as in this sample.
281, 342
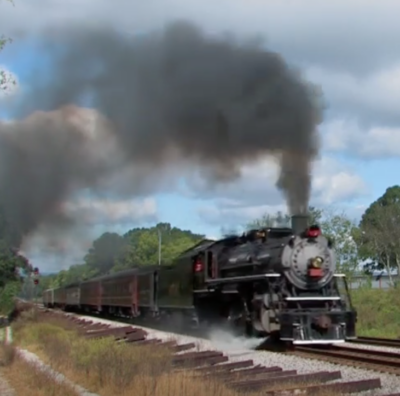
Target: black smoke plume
176, 98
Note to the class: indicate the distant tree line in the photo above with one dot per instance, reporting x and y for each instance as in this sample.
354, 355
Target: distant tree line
112, 252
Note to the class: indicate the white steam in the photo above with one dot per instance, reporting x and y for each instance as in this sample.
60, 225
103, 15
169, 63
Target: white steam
226, 341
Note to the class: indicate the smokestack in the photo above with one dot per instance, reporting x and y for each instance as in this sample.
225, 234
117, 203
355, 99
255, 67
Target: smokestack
299, 223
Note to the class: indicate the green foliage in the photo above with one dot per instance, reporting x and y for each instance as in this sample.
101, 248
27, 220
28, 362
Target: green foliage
378, 239
143, 245
102, 359
103, 254
341, 230
316, 215
7, 297
10, 264
38, 333
139, 246
10, 236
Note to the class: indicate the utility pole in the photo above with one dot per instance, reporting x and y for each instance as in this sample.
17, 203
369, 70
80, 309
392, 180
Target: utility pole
30, 287
36, 282
159, 246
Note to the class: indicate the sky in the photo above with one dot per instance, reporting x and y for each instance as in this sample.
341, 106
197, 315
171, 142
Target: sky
348, 47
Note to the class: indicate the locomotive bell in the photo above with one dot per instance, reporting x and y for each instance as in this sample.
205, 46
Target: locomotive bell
299, 223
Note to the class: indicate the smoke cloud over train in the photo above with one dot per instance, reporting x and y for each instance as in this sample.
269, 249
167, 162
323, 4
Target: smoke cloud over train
173, 99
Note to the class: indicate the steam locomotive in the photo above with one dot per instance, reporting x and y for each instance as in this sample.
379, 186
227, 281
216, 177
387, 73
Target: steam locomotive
270, 282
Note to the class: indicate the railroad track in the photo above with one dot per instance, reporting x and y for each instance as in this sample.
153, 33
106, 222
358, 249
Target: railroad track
378, 361
242, 376
385, 342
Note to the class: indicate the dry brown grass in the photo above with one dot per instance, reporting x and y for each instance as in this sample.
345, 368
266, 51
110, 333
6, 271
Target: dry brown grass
27, 379
108, 368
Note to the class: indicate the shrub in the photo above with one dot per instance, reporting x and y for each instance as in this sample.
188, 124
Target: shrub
7, 297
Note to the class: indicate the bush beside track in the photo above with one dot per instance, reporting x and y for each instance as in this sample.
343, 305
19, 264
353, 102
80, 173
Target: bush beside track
20, 377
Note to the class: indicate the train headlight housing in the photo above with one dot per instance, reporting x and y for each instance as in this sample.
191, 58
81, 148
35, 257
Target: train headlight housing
317, 262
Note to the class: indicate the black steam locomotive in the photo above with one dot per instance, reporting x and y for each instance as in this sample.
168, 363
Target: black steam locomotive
277, 282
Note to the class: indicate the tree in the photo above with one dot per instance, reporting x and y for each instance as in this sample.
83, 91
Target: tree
112, 252
379, 237
10, 264
316, 215
143, 245
105, 251
342, 231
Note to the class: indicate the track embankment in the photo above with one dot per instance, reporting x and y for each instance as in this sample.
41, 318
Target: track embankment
243, 376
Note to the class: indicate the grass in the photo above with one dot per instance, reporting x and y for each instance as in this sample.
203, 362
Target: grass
378, 312
109, 368
27, 379
106, 367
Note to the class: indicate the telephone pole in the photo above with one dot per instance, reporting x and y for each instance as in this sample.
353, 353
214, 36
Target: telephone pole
159, 246
35, 283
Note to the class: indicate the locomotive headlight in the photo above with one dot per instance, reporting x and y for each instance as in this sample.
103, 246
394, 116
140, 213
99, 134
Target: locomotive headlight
317, 262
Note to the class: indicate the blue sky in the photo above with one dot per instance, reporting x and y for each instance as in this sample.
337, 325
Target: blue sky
360, 157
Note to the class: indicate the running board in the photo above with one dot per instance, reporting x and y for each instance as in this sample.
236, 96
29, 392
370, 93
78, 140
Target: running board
305, 342
312, 298
249, 278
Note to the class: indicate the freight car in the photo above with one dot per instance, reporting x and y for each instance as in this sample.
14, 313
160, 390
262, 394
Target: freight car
277, 282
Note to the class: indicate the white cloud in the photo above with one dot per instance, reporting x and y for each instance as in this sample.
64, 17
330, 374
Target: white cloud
371, 143
111, 212
219, 215
339, 33
256, 194
371, 99
335, 182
